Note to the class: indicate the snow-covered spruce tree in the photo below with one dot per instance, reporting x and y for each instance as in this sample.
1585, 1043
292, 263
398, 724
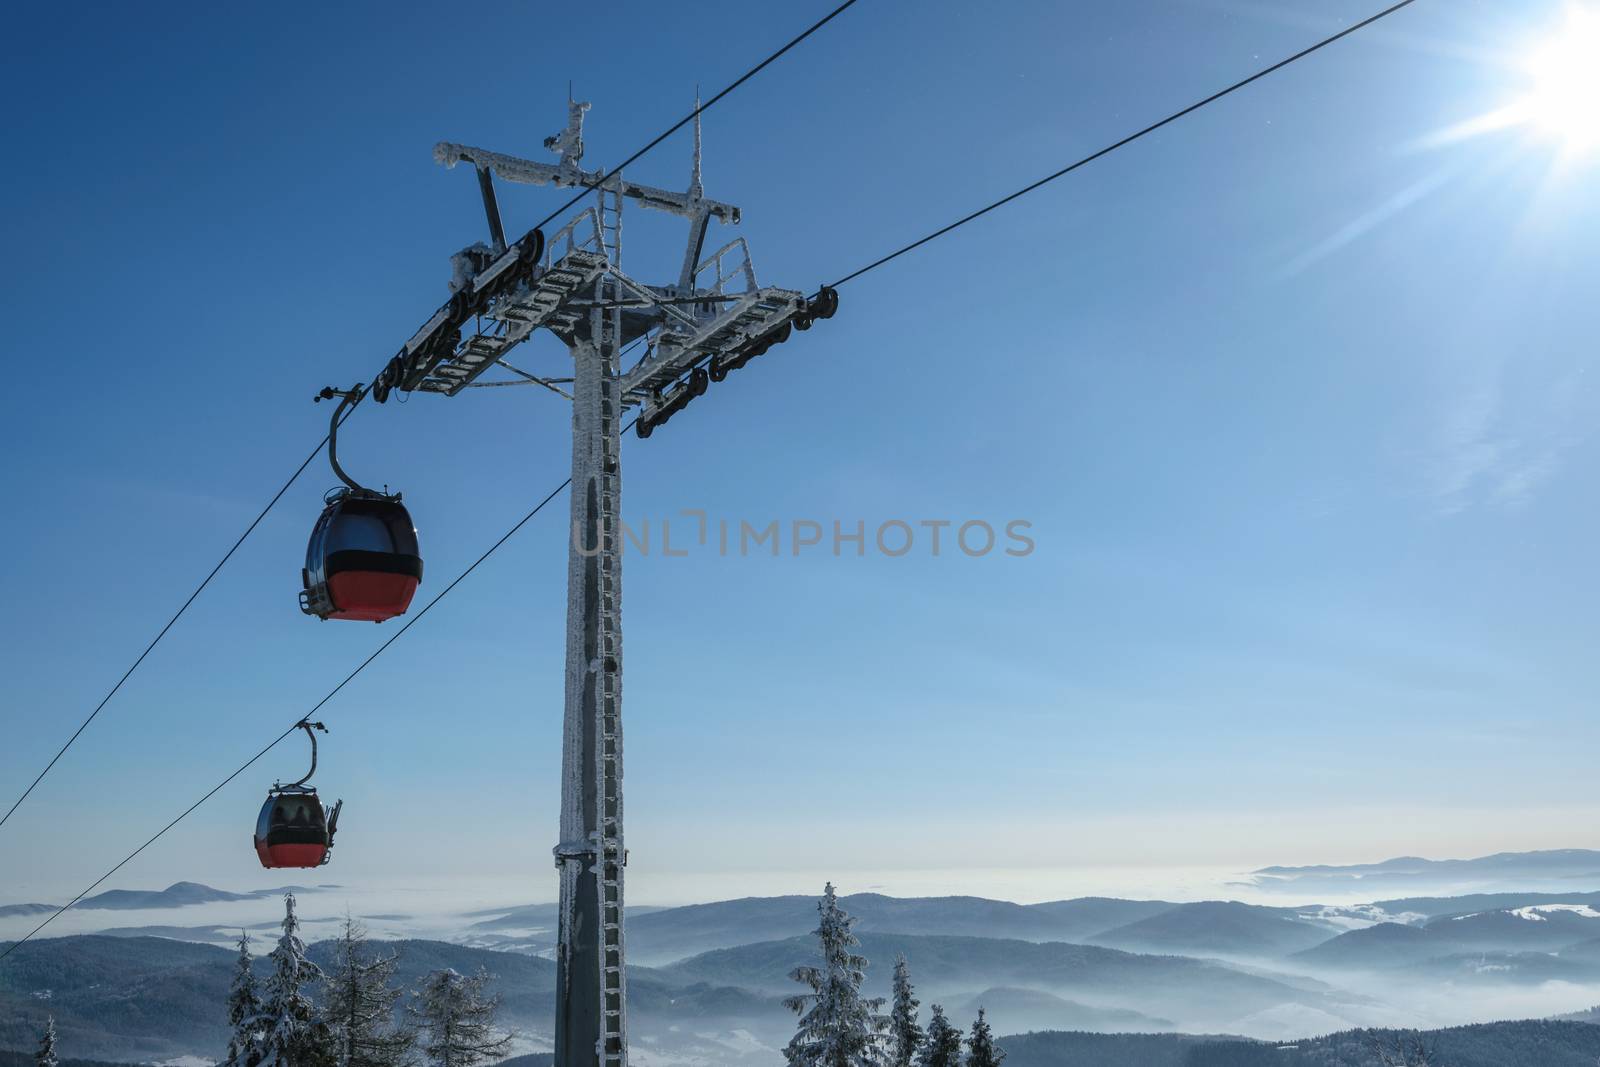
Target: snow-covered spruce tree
906, 1035
1404, 1048
46, 1056
456, 1020
244, 1012
838, 1027
358, 1003
942, 1046
292, 1034
981, 1049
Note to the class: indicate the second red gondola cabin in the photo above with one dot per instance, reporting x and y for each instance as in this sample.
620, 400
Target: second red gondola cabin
293, 830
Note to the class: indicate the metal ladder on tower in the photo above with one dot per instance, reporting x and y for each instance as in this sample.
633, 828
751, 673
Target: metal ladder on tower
611, 856
611, 231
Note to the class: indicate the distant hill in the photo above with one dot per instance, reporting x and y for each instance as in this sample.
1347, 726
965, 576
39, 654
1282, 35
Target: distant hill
1543, 927
1531, 1043
1074, 920
1477, 943
1378, 947
527, 975
150, 999
176, 895
1033, 1009
181, 895
675, 933
1503, 968
1579, 868
1586, 951
25, 1059
1075, 1049
212, 935
116, 998
1433, 907
1195, 994
1588, 1015
1225, 928
534, 916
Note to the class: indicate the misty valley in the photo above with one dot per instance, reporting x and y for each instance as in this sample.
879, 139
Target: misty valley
1502, 974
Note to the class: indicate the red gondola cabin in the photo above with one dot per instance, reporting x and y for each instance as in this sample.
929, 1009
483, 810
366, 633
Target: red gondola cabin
362, 561
293, 830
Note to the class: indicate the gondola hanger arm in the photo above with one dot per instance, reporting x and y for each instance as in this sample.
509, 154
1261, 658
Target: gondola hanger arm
348, 398
310, 728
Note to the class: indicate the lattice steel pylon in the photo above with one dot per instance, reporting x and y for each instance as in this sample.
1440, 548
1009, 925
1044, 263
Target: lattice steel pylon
711, 320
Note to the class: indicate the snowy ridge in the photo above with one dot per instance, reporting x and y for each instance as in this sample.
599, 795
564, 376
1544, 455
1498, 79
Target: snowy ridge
1537, 912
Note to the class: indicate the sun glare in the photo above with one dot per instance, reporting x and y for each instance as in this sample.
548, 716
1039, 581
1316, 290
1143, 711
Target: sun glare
1563, 102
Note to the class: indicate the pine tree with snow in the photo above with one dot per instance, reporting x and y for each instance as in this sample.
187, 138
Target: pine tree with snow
46, 1056
244, 1012
456, 1020
838, 1027
293, 1035
981, 1049
906, 1035
359, 1004
942, 1047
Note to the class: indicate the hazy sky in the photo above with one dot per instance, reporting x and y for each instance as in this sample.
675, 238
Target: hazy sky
1296, 396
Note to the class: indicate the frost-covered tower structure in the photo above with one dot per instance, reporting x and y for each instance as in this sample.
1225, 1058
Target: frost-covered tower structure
707, 320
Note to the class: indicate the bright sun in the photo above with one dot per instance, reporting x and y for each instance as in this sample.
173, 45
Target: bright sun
1563, 102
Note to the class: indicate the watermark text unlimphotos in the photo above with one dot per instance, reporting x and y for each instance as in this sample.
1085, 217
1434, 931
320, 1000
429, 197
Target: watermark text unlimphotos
692, 531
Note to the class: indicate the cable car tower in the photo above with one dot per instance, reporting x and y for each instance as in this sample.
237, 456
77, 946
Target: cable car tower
708, 321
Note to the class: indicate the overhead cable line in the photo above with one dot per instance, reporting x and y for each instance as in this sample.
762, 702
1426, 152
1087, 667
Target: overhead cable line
1108, 149
248, 530
674, 128
701, 108
214, 790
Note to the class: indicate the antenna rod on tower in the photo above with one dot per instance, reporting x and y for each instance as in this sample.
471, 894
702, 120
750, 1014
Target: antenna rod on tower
695, 188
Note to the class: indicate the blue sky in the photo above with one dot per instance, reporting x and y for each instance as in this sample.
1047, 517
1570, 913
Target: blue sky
1296, 395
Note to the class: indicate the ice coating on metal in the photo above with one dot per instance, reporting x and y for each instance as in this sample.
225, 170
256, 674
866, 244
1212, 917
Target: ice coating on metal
581, 294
